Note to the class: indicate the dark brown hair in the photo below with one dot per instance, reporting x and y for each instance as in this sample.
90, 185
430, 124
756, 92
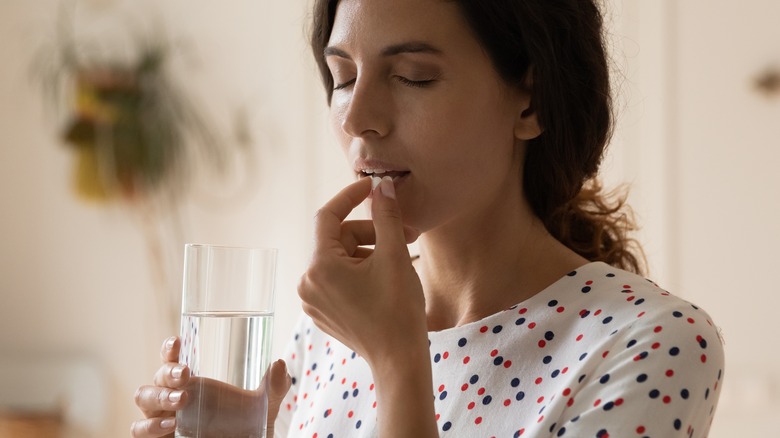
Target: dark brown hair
561, 42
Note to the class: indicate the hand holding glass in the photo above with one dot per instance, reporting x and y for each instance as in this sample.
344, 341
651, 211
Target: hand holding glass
226, 324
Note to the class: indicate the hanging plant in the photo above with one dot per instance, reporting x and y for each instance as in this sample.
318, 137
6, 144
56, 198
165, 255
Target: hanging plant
134, 133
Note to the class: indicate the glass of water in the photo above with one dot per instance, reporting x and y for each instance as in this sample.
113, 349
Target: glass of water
226, 323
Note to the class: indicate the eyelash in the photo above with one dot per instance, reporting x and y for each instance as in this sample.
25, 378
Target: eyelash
401, 79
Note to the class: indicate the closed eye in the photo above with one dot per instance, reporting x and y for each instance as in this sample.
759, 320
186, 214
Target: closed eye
416, 84
344, 85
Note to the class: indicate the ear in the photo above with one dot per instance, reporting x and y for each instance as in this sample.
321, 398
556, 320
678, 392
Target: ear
527, 125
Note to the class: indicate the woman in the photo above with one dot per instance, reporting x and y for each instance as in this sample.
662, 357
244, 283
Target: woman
486, 122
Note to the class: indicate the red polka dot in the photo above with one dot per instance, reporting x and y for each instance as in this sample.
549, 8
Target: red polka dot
466, 360
626, 286
658, 329
464, 387
371, 388
538, 380
350, 414
691, 320
589, 282
310, 347
597, 313
597, 402
604, 354
669, 373
315, 435
618, 402
641, 314
343, 381
438, 416
445, 355
566, 392
570, 402
354, 385
542, 343
579, 337
667, 399
478, 420
560, 309
630, 298
481, 391
703, 358
564, 370
507, 402
483, 329
507, 364
531, 325
494, 353
522, 311
655, 345
540, 399
540, 419
441, 388
640, 430
471, 406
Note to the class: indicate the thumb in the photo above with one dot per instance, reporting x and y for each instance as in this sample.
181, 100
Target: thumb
386, 215
278, 385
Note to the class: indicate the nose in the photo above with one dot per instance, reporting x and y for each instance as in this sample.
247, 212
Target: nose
367, 110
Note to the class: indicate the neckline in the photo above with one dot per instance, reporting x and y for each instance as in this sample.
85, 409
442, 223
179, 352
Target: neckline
539, 296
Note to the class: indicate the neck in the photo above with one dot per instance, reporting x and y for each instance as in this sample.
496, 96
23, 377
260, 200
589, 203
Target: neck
474, 267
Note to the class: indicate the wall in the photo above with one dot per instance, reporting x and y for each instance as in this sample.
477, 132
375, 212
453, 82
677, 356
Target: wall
75, 278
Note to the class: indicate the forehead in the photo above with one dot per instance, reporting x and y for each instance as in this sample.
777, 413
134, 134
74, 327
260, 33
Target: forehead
368, 24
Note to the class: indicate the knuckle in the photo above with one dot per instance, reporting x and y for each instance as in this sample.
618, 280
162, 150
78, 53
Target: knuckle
162, 396
140, 429
142, 394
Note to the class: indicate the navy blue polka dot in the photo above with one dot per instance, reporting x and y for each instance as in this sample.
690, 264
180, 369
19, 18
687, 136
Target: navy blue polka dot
462, 342
515, 382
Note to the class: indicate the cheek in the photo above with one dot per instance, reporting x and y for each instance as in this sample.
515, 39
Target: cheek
336, 120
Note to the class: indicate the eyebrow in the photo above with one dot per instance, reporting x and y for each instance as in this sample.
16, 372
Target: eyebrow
396, 49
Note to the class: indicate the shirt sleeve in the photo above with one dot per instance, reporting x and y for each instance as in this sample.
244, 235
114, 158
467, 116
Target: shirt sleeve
293, 357
661, 377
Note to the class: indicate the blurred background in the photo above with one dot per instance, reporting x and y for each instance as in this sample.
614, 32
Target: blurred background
90, 260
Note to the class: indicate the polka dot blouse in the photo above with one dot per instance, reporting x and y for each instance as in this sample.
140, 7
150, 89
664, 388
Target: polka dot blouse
599, 353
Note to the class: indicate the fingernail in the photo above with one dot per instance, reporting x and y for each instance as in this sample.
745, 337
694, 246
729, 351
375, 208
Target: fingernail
168, 423
169, 343
175, 396
284, 366
375, 180
177, 371
387, 188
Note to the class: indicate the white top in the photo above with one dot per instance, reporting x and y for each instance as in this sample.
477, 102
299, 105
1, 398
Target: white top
601, 352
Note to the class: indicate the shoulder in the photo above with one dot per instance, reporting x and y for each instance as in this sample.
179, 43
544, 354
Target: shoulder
636, 300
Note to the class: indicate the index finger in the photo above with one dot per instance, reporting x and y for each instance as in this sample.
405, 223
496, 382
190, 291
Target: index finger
327, 228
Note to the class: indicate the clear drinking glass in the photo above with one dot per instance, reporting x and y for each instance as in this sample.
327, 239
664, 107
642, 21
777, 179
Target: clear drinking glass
226, 323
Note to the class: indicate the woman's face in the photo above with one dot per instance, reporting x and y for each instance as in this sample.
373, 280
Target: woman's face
416, 96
